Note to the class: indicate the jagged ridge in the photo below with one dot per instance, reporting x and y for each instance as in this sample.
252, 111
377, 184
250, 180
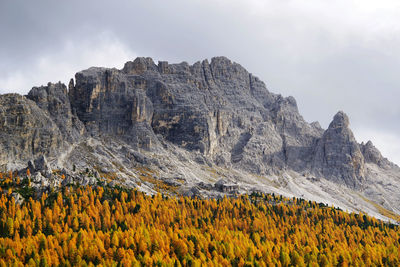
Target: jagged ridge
210, 113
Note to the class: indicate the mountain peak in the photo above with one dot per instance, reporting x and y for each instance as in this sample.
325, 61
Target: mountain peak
139, 65
181, 122
340, 120
221, 60
338, 154
373, 155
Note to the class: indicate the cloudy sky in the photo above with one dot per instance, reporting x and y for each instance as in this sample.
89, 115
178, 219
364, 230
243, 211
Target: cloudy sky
329, 55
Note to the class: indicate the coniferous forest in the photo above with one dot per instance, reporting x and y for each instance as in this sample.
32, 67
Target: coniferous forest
103, 226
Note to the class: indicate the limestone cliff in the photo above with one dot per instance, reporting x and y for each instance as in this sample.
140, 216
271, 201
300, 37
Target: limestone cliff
216, 108
184, 122
26, 131
54, 100
338, 155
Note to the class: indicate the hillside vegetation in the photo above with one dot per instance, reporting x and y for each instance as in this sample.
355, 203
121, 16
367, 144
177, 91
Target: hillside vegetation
108, 226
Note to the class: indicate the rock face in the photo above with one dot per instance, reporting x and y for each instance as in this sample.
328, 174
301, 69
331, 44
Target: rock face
109, 102
217, 109
338, 155
372, 155
54, 100
205, 116
26, 131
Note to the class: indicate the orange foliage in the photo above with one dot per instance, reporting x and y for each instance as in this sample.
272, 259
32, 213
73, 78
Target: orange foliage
108, 226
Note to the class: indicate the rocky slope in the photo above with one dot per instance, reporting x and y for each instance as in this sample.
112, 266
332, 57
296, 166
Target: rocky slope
205, 129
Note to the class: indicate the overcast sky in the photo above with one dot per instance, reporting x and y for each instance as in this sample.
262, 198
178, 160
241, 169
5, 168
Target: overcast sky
329, 55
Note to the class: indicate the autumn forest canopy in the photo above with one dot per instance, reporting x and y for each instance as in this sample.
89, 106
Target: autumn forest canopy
107, 226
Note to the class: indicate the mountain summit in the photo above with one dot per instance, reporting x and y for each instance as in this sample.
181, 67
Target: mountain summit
205, 129
338, 155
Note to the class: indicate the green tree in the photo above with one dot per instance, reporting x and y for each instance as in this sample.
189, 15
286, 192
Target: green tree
284, 258
10, 227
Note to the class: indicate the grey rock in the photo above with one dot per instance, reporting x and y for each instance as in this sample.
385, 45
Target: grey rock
113, 183
202, 121
111, 102
372, 155
338, 155
41, 165
205, 186
17, 198
200, 160
31, 166
39, 182
105, 170
192, 192
69, 180
87, 181
171, 182
141, 65
96, 174
217, 109
54, 100
26, 131
140, 158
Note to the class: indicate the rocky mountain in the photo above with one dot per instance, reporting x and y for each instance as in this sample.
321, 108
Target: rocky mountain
338, 155
205, 129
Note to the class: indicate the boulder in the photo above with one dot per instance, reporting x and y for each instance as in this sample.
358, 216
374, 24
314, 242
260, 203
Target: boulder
18, 198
